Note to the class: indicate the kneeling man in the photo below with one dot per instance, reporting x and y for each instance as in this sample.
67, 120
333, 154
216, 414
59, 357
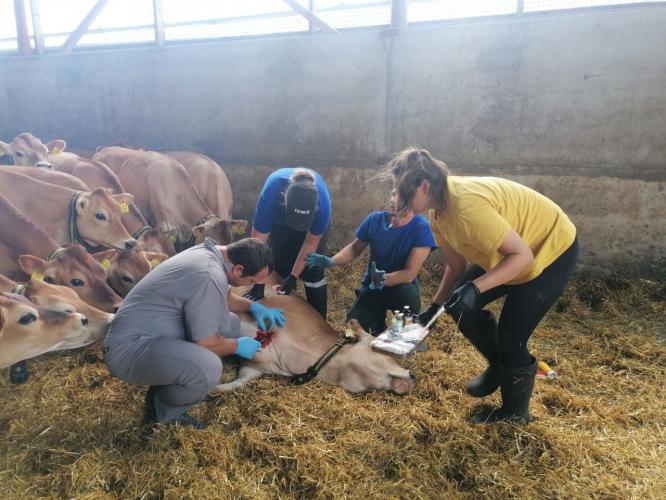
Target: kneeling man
175, 324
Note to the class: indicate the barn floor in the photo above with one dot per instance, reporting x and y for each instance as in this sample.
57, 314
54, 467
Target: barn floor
599, 430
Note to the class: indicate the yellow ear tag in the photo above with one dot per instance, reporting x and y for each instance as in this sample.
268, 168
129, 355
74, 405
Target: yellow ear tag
172, 238
36, 275
56, 151
154, 262
236, 229
106, 263
124, 207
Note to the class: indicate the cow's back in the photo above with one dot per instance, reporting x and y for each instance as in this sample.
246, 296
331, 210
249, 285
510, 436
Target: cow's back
209, 179
52, 177
93, 173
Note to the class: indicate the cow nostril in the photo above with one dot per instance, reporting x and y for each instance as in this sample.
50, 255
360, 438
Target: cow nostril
412, 376
130, 244
84, 321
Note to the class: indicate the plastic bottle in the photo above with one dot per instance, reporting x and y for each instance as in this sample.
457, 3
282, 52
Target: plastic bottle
406, 311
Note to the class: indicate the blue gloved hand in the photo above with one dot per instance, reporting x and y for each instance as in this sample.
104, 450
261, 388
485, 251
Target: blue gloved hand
263, 315
247, 347
377, 277
318, 260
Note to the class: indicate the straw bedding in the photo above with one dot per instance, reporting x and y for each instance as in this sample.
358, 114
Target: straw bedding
598, 431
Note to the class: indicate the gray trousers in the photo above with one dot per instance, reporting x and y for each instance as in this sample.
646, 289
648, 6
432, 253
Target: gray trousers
181, 371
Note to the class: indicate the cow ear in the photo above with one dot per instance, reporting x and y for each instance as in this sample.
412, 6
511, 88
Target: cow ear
32, 265
199, 231
56, 146
155, 258
82, 203
104, 255
239, 226
123, 198
4, 148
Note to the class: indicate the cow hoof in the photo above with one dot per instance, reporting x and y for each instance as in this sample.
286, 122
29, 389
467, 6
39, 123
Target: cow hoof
18, 373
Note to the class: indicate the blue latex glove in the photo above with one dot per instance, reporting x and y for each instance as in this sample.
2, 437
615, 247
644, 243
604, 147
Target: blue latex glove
247, 347
377, 277
263, 315
318, 260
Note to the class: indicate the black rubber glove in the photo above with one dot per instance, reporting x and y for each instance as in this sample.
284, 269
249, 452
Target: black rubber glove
289, 284
465, 299
256, 292
427, 315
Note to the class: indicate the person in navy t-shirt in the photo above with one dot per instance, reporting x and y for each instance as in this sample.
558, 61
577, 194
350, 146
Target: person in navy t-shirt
399, 245
293, 213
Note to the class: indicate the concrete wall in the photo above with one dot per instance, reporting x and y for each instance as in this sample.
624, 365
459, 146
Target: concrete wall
572, 104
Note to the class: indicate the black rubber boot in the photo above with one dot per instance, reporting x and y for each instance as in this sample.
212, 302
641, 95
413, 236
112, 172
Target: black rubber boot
18, 373
318, 298
517, 385
151, 417
481, 331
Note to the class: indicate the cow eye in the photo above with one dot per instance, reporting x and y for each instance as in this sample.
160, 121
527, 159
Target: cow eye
26, 319
48, 279
19, 154
127, 279
77, 282
100, 216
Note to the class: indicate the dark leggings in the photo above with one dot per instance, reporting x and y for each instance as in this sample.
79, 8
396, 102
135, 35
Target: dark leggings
524, 307
285, 244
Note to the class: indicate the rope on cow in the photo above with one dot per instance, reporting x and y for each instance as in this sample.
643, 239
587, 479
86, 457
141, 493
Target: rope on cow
73, 229
54, 253
303, 378
141, 232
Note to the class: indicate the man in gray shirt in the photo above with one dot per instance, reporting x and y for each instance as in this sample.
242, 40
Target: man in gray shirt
176, 322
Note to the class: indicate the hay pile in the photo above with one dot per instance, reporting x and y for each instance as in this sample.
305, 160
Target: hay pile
599, 431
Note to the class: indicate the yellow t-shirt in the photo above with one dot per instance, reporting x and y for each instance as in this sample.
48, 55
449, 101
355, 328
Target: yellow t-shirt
480, 211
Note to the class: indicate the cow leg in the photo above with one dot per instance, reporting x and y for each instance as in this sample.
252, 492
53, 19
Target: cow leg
245, 375
18, 373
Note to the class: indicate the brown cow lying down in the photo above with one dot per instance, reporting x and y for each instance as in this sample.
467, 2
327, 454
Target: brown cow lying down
126, 269
304, 339
27, 331
60, 298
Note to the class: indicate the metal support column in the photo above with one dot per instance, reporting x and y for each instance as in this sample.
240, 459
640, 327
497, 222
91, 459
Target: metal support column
22, 36
76, 35
159, 22
37, 26
398, 14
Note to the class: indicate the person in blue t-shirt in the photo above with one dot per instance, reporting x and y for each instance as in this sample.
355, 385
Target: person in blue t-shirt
399, 245
293, 213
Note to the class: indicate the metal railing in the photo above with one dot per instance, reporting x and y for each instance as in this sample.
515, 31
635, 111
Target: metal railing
311, 16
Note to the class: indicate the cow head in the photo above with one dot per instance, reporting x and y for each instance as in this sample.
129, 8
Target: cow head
74, 268
222, 231
61, 298
362, 369
27, 331
98, 218
28, 151
154, 240
125, 269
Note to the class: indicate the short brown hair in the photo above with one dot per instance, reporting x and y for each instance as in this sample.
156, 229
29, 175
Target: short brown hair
410, 167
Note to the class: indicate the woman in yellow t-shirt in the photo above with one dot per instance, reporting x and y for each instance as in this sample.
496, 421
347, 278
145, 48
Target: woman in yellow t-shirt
520, 245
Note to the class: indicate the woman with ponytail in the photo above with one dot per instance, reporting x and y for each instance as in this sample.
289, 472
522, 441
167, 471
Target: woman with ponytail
521, 246
293, 214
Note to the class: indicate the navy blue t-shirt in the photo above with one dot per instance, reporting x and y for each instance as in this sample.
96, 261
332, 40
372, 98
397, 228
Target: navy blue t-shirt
390, 246
270, 206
